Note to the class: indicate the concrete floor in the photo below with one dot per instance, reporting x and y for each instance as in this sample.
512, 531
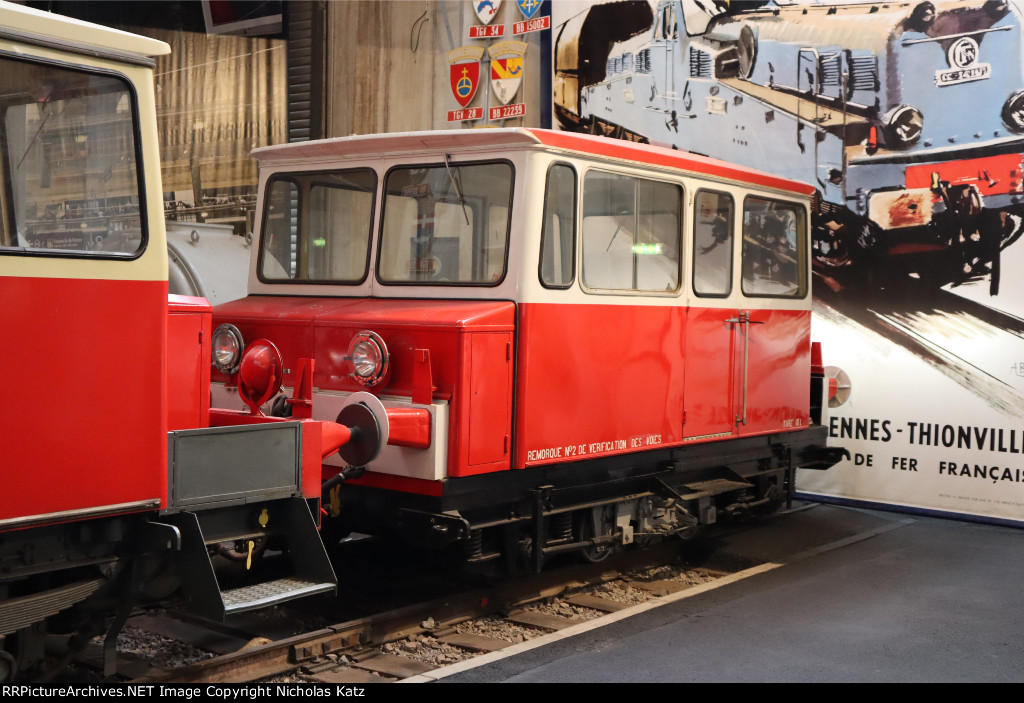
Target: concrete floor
859, 596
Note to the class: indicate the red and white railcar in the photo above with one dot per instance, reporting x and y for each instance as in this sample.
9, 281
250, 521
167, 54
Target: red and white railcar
116, 477
566, 342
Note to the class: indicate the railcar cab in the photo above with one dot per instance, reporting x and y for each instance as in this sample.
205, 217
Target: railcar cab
560, 336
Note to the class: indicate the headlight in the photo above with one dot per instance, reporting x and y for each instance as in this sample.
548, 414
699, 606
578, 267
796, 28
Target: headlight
369, 357
227, 348
1013, 111
903, 126
922, 17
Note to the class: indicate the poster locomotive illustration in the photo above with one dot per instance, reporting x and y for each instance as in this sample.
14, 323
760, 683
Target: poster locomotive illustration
908, 119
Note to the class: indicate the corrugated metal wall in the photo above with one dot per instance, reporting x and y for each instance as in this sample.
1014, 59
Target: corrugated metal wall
305, 22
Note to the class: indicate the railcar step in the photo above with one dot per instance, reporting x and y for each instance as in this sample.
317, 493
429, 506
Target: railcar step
310, 568
237, 600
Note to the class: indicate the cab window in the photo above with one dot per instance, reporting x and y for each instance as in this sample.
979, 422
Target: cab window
446, 224
713, 222
317, 227
69, 161
774, 237
631, 233
558, 233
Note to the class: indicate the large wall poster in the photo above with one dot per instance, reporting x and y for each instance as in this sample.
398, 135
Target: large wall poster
909, 120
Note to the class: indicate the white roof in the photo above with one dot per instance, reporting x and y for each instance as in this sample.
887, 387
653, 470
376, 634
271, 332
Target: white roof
47, 25
396, 142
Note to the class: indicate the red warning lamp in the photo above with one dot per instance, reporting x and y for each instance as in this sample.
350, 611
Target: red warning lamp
260, 374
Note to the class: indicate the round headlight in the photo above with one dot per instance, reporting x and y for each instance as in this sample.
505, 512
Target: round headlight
922, 17
903, 126
1013, 111
369, 357
226, 348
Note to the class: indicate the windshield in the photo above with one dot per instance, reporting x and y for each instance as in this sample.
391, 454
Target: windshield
446, 224
316, 227
68, 159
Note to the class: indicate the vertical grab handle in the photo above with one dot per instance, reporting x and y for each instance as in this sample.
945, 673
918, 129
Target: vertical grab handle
744, 319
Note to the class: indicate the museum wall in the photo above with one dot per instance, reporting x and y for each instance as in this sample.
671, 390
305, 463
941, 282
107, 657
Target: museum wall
218, 97
389, 70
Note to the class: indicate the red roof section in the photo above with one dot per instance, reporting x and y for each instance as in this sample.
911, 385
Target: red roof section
518, 138
662, 156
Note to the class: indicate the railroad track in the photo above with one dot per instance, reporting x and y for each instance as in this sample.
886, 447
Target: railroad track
415, 639
425, 640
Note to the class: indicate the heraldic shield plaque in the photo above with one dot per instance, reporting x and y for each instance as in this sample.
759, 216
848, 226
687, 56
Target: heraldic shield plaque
464, 72
507, 69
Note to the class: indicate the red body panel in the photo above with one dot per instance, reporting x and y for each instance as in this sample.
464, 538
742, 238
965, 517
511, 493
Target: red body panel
480, 423
713, 369
597, 379
779, 379
92, 444
610, 379
188, 362
388, 482
470, 354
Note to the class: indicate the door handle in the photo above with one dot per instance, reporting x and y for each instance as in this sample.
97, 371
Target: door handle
744, 319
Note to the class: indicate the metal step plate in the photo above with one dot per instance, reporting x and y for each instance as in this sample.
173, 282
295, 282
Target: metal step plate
260, 595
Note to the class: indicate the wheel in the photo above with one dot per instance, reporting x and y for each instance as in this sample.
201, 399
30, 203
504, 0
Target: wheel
588, 522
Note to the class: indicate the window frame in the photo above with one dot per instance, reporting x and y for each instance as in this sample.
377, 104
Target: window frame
140, 167
732, 245
801, 248
379, 229
680, 241
313, 179
575, 226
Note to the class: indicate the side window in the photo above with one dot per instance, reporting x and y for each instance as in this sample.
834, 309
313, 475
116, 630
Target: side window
558, 233
713, 216
631, 233
68, 157
774, 237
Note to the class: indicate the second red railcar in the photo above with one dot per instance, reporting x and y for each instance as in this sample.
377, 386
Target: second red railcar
566, 342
